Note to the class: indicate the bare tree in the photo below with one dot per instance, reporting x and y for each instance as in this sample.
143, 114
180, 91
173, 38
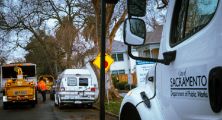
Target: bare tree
66, 35
72, 18
116, 15
31, 17
92, 30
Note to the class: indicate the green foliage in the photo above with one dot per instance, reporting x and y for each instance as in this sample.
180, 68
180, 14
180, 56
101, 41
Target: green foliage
121, 85
127, 86
115, 80
113, 106
46, 55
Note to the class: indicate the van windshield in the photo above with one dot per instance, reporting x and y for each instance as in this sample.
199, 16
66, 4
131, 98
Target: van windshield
83, 81
71, 81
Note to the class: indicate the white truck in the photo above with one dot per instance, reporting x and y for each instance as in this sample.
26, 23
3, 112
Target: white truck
186, 82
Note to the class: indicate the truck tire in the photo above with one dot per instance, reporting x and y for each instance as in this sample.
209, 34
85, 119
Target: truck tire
33, 104
90, 105
5, 105
129, 112
3, 93
36, 97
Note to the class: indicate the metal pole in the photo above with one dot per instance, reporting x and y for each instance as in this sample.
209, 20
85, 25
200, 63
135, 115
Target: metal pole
102, 59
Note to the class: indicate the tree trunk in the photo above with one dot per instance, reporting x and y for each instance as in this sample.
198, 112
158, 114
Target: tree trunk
112, 92
68, 60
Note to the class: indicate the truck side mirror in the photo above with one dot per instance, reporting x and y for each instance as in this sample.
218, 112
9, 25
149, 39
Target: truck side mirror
134, 32
136, 8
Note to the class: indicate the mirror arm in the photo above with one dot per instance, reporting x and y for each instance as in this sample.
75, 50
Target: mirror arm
161, 7
165, 2
168, 57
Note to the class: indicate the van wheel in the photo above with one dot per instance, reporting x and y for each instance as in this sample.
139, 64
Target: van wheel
60, 105
90, 105
55, 105
5, 105
55, 101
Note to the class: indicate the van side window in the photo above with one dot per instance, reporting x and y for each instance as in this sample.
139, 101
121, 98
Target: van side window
189, 17
83, 81
71, 81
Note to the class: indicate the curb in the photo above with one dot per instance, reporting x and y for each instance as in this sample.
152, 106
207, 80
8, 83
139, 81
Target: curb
109, 113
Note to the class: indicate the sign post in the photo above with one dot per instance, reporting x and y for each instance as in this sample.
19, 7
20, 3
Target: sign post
102, 58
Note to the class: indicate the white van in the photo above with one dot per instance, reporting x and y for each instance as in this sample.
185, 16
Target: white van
75, 86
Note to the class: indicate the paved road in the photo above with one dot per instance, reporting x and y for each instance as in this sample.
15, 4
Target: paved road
47, 111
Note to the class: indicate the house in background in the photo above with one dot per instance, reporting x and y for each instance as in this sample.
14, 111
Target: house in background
121, 63
123, 66
152, 43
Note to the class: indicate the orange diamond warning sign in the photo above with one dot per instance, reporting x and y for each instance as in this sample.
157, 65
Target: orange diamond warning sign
108, 61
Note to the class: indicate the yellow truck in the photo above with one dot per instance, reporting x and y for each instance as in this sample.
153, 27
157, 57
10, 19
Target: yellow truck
18, 83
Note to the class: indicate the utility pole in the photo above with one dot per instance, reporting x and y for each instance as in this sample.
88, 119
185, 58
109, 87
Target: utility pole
102, 58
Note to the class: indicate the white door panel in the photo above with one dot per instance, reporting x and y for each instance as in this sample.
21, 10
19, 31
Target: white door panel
184, 83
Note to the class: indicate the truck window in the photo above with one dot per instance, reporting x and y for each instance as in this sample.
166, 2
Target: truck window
83, 81
189, 17
9, 72
71, 81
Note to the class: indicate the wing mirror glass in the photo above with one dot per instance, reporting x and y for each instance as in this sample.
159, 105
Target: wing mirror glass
134, 32
136, 8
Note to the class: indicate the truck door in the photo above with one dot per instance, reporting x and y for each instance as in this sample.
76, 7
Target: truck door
190, 88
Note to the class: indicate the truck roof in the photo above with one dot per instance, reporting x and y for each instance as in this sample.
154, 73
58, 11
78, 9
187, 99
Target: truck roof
76, 71
18, 64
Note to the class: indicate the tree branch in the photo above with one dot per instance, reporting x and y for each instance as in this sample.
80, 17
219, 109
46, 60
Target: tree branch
116, 27
55, 10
